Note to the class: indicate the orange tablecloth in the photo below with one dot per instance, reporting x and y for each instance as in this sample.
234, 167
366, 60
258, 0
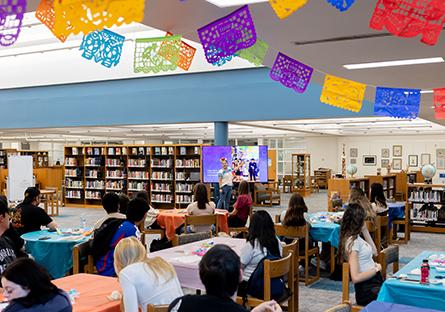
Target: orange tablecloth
170, 220
93, 291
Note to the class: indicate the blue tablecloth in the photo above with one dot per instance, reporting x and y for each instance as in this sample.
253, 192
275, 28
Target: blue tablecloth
414, 294
55, 253
327, 232
396, 211
376, 306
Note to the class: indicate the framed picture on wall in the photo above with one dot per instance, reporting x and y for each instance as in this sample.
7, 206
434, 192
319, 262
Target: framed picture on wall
384, 163
369, 160
412, 160
385, 152
397, 150
353, 161
353, 152
397, 164
425, 159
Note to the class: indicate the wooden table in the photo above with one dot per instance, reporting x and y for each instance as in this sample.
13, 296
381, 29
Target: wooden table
93, 291
49, 198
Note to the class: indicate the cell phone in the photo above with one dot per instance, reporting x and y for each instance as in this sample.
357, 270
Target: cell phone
44, 238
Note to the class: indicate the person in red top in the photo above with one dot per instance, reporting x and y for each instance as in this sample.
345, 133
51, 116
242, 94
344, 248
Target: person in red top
241, 209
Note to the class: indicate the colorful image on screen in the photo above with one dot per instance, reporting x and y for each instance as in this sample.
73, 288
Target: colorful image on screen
248, 163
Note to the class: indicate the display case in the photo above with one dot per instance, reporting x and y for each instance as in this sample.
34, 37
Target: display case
301, 174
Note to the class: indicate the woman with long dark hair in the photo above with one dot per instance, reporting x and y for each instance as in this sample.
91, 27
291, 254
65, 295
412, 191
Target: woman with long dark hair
358, 251
201, 207
294, 215
378, 200
241, 208
28, 287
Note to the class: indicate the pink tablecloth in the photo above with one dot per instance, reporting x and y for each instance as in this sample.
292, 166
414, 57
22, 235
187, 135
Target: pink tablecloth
187, 265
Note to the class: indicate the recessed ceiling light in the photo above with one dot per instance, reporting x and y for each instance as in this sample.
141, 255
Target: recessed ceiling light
229, 3
395, 63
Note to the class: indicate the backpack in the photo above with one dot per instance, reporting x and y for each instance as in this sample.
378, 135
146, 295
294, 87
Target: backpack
103, 236
160, 244
255, 285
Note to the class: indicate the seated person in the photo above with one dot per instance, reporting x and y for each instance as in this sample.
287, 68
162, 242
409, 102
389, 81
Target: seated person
28, 216
28, 287
110, 202
123, 203
357, 196
152, 214
144, 280
241, 208
137, 209
13, 237
7, 251
378, 200
359, 252
201, 207
220, 272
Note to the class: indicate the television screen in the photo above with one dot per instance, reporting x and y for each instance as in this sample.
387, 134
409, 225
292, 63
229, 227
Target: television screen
248, 163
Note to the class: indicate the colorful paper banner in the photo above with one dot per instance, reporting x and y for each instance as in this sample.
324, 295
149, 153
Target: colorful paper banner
45, 13
410, 18
186, 54
90, 15
103, 46
397, 102
285, 8
222, 38
439, 103
341, 5
255, 54
291, 73
343, 93
148, 54
11, 17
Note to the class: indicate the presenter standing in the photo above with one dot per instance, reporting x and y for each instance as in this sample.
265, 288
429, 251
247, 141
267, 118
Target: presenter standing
225, 179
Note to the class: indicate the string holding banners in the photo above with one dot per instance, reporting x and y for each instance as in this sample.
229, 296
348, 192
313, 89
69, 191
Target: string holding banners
11, 18
343, 93
397, 102
103, 47
222, 38
291, 73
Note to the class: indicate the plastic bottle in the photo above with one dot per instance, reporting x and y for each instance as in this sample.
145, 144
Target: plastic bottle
83, 222
424, 272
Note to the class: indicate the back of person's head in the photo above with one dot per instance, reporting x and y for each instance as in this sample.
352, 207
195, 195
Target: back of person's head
377, 194
123, 203
31, 277
351, 227
130, 250
31, 194
3, 205
243, 188
358, 196
137, 208
219, 270
110, 202
295, 212
143, 195
262, 229
201, 195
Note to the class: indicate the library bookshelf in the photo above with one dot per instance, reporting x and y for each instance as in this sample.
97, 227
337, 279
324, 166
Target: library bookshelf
167, 173
40, 159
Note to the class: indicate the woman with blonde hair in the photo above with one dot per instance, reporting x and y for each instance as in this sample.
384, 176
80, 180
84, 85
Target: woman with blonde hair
357, 196
144, 280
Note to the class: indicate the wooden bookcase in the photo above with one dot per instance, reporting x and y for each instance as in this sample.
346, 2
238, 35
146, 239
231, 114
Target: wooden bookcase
387, 181
39, 158
167, 172
418, 195
301, 174
344, 186
322, 176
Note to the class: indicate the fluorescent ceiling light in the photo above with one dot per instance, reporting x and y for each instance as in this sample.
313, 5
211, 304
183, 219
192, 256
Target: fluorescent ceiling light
426, 91
395, 63
229, 3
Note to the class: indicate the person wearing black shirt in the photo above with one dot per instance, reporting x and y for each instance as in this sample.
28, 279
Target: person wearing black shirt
220, 272
7, 253
29, 217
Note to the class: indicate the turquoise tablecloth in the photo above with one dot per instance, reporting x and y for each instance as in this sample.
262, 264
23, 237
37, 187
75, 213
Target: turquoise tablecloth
55, 253
395, 211
376, 306
326, 232
414, 294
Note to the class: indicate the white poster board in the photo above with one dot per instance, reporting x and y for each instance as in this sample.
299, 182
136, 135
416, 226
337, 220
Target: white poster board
20, 176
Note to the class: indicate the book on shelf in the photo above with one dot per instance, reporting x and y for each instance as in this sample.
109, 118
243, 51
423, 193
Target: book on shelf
182, 150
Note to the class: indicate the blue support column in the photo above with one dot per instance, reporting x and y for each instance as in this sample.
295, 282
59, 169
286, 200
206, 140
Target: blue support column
221, 133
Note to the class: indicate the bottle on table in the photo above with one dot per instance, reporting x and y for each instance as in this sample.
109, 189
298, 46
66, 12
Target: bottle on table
424, 272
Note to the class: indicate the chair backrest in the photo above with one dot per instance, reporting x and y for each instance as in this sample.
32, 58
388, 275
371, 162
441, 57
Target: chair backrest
389, 255
200, 220
82, 255
278, 268
382, 223
300, 232
345, 282
344, 307
190, 238
292, 247
157, 308
260, 187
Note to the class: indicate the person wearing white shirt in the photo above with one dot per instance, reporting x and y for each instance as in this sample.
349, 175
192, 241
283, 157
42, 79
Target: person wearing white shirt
144, 280
225, 180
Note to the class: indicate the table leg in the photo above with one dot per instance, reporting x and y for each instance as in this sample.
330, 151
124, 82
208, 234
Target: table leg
332, 260
45, 205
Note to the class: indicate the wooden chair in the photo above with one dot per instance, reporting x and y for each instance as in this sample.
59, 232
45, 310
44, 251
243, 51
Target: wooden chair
242, 229
157, 308
302, 232
344, 307
407, 230
345, 287
201, 220
287, 184
293, 248
383, 236
190, 238
82, 258
387, 256
145, 231
266, 193
273, 269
